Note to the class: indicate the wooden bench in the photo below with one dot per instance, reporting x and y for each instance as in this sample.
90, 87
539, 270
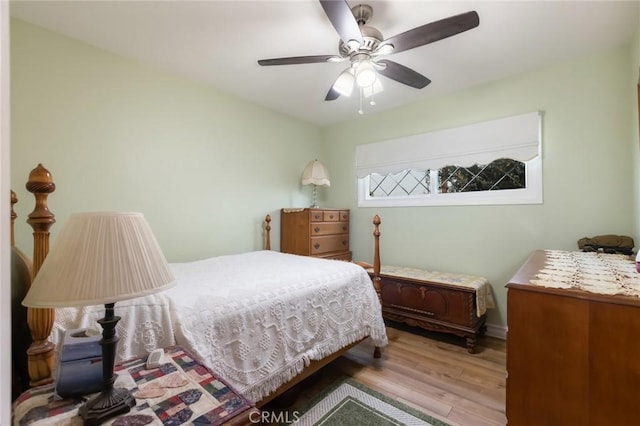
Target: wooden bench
436, 301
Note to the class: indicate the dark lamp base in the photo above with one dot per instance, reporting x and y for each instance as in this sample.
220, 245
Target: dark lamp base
111, 401
107, 404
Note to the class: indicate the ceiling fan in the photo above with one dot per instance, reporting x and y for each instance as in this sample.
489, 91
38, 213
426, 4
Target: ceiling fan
363, 46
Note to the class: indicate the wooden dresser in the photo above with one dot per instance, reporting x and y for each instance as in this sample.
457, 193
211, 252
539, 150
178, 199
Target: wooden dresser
573, 357
315, 232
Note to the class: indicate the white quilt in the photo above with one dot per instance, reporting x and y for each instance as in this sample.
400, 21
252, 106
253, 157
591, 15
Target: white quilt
255, 318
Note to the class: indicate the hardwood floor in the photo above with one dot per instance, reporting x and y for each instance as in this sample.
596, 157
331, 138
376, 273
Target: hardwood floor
430, 372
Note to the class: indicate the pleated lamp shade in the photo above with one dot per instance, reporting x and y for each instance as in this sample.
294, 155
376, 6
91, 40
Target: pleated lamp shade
315, 174
100, 258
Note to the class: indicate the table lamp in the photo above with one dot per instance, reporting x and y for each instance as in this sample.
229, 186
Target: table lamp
102, 258
315, 174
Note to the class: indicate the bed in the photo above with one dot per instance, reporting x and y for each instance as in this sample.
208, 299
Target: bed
263, 327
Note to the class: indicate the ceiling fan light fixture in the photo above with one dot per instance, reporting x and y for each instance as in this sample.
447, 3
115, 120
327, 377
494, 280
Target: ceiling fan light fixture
353, 45
362, 45
344, 83
365, 74
374, 89
384, 49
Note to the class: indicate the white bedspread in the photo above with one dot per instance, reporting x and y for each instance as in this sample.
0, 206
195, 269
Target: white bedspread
255, 318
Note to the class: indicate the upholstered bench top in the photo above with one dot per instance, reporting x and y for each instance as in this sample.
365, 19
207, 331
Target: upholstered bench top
484, 297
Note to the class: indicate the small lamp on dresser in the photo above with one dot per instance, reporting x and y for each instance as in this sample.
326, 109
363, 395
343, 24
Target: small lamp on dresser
102, 258
315, 174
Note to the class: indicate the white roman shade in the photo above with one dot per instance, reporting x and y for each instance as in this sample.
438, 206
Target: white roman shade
516, 137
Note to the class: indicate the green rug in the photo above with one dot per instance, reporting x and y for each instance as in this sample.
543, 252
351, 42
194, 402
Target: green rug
351, 403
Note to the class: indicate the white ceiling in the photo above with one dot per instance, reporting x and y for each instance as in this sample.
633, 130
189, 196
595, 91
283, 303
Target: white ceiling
218, 43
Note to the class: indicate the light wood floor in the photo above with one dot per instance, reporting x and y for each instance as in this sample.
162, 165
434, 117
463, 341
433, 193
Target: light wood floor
435, 375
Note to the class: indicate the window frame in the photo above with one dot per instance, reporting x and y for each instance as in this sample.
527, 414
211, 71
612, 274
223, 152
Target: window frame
532, 194
517, 137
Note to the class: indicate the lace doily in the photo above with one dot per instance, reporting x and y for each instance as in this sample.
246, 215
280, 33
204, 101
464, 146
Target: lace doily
590, 271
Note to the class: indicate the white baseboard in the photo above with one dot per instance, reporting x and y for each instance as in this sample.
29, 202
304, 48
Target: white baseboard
497, 331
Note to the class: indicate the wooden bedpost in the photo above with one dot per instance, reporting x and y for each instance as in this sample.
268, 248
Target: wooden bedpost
267, 231
376, 268
40, 353
376, 254
14, 200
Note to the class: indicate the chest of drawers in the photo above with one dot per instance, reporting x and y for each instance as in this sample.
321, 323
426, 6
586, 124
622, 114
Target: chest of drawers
572, 355
315, 232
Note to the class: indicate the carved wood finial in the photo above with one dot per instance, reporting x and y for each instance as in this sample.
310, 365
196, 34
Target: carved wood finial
267, 229
376, 255
40, 321
14, 200
40, 184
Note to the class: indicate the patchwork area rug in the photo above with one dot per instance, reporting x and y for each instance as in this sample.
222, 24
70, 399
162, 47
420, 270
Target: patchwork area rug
351, 403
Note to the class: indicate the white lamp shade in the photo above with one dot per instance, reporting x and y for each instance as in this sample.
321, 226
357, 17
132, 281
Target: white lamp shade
365, 74
344, 83
374, 89
315, 173
100, 258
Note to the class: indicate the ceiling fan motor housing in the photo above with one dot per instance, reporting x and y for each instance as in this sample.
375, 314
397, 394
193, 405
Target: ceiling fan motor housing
371, 36
362, 13
372, 39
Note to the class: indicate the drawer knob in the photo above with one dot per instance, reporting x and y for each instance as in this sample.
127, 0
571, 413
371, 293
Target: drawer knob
344, 227
316, 246
316, 229
330, 216
345, 242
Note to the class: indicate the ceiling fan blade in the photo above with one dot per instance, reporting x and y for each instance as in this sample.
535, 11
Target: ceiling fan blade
342, 19
402, 74
332, 95
300, 60
434, 31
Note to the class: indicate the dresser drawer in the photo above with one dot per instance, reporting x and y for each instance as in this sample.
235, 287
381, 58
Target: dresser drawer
345, 255
329, 243
331, 216
329, 228
317, 215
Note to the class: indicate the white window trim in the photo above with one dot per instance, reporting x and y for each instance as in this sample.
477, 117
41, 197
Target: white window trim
532, 194
518, 137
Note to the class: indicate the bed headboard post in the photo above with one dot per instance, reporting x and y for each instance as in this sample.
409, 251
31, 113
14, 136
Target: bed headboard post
376, 253
40, 353
14, 200
41, 185
267, 231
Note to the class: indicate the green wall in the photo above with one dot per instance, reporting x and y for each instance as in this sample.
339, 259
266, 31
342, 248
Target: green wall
587, 171
202, 166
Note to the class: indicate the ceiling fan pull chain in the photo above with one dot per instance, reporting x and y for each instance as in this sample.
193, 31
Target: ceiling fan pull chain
361, 111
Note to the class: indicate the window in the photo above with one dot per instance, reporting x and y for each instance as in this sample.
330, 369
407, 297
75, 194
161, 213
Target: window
495, 162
